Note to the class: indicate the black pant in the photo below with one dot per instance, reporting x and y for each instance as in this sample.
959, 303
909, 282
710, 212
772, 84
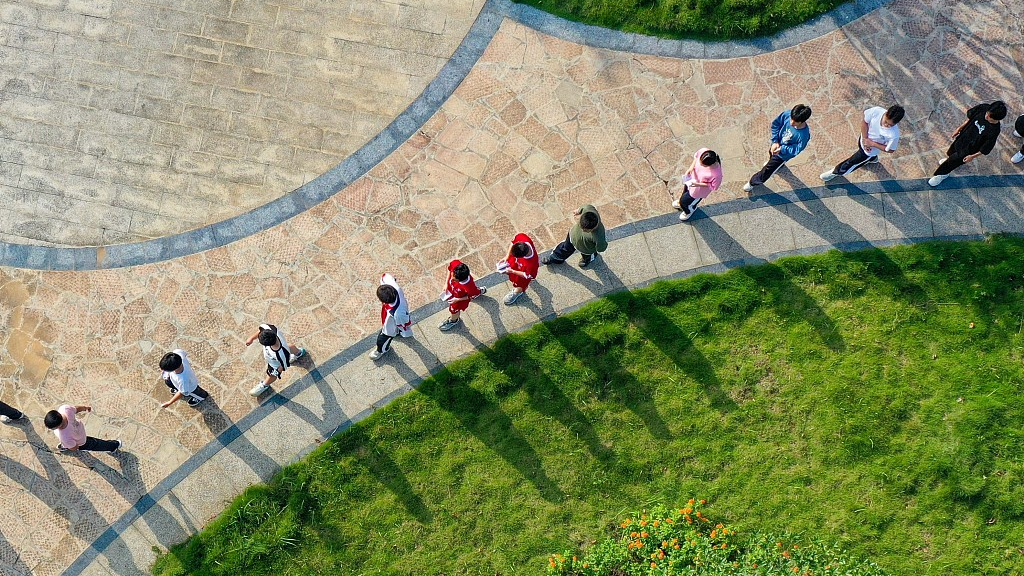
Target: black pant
97, 445
384, 342
197, 394
566, 249
10, 411
954, 159
688, 203
858, 159
774, 163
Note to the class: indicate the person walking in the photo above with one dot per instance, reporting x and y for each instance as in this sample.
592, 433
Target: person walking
181, 379
70, 431
9, 414
586, 235
878, 133
520, 265
1018, 131
790, 136
703, 177
277, 352
395, 319
975, 137
459, 290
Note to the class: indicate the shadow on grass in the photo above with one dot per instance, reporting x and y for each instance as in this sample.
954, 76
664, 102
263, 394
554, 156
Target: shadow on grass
657, 328
368, 454
483, 418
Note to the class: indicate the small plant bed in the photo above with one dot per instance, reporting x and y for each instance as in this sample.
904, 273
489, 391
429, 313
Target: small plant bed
684, 541
699, 19
869, 400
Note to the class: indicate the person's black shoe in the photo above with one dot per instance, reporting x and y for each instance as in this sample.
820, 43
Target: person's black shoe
584, 262
548, 261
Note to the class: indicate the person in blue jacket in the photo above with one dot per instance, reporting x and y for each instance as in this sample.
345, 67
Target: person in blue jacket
790, 136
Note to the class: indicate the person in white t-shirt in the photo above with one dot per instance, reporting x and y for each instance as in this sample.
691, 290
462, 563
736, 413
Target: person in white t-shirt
878, 133
179, 376
277, 352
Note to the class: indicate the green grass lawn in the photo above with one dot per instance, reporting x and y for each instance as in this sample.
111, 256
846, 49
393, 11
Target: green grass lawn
844, 396
701, 19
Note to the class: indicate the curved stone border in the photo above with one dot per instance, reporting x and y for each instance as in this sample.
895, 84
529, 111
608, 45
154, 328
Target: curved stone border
38, 257
598, 37
664, 221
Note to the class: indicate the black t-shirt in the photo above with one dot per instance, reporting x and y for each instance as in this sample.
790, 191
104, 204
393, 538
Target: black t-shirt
979, 135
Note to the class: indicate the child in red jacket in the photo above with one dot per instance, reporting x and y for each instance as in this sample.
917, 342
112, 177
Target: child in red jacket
458, 291
521, 265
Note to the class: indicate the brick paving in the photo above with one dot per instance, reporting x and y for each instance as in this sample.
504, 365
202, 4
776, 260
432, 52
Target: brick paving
123, 120
539, 126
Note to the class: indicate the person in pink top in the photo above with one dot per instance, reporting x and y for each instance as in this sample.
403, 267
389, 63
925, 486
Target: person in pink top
71, 431
703, 177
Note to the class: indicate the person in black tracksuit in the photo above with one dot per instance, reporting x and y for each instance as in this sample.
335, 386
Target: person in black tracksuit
976, 136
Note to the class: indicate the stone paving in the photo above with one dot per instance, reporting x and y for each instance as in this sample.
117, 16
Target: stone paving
123, 120
539, 126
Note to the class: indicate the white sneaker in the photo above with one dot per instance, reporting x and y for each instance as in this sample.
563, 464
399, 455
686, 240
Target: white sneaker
677, 205
512, 296
828, 176
118, 449
293, 357
1017, 134
684, 216
1017, 158
936, 180
377, 354
748, 188
259, 389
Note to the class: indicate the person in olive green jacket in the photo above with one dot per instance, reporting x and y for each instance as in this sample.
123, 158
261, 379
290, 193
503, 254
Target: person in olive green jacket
587, 236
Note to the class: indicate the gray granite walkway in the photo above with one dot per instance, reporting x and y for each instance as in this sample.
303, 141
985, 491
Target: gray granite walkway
349, 386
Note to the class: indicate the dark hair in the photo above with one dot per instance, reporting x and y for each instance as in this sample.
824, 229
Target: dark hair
895, 113
997, 110
267, 337
461, 272
800, 113
709, 158
170, 362
386, 293
53, 420
520, 249
589, 221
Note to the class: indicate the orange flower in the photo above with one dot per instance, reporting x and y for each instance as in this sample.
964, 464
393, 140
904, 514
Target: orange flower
626, 522
690, 502
786, 554
703, 501
796, 569
643, 523
643, 534
654, 564
656, 523
714, 533
676, 546
724, 545
686, 510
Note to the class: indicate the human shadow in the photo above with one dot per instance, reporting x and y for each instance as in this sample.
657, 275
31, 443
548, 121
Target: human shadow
333, 416
815, 216
11, 563
483, 419
660, 330
356, 442
791, 302
228, 435
55, 489
546, 397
